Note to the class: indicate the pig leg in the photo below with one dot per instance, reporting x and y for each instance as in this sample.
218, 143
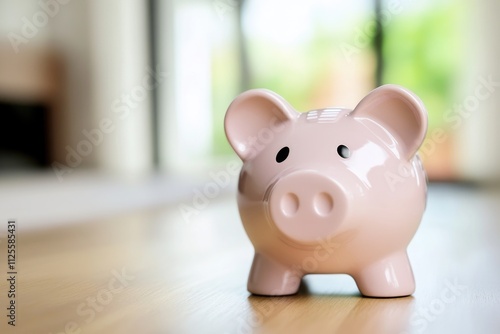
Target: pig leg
388, 277
271, 278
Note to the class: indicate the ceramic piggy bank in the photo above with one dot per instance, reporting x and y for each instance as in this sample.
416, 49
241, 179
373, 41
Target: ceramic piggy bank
330, 190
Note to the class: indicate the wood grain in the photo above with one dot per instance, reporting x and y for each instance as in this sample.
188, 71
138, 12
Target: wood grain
178, 276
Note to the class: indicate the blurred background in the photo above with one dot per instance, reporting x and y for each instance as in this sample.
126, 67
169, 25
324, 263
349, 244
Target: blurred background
109, 99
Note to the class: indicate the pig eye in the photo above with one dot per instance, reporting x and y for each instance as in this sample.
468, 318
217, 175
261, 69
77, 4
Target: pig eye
282, 154
343, 151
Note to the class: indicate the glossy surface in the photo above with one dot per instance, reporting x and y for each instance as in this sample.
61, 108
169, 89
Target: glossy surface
330, 190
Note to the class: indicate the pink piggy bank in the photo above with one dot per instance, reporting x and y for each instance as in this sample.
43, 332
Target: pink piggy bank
330, 190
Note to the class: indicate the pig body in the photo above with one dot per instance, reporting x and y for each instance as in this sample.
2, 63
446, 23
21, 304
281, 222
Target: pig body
331, 190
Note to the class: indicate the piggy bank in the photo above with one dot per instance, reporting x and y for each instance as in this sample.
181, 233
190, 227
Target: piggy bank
330, 191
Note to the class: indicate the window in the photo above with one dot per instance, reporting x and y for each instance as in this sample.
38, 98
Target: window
323, 53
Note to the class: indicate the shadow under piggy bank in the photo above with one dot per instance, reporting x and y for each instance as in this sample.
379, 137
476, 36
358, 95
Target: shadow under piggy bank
308, 312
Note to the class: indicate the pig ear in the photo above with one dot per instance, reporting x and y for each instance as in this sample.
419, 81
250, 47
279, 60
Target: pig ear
399, 112
253, 117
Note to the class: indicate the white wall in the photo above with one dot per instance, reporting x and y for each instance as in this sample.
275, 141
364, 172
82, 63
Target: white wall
68, 33
479, 138
119, 66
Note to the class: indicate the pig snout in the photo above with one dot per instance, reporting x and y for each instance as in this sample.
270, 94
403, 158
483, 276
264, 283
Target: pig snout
306, 206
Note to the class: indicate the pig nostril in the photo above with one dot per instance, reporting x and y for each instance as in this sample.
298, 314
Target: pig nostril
289, 204
323, 204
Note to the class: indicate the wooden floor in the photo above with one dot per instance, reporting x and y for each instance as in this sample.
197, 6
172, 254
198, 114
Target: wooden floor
154, 272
